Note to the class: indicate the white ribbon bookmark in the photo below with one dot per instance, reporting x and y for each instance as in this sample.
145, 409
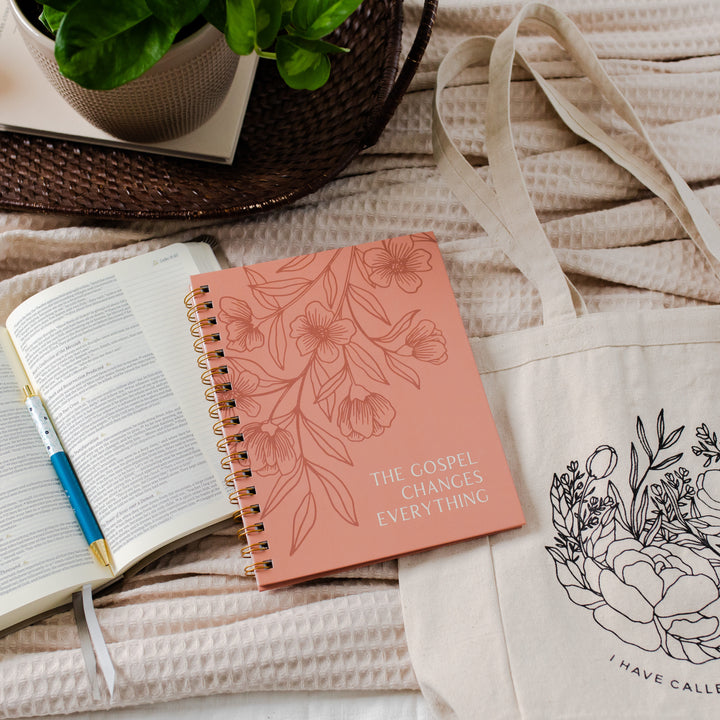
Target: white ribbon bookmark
92, 642
86, 645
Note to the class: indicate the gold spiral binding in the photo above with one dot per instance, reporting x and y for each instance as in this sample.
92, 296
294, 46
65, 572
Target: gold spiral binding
190, 297
248, 550
192, 313
220, 425
212, 392
252, 570
204, 340
243, 512
234, 457
223, 444
243, 532
241, 492
239, 476
215, 408
205, 358
216, 377
208, 375
198, 325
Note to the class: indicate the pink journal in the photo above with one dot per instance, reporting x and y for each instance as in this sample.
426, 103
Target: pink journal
349, 408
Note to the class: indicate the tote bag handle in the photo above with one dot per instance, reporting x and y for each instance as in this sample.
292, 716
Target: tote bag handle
520, 233
537, 261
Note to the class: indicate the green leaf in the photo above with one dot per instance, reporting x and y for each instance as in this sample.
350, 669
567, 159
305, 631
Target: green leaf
51, 18
177, 13
240, 28
302, 13
268, 14
102, 44
299, 65
62, 5
326, 47
313, 19
216, 14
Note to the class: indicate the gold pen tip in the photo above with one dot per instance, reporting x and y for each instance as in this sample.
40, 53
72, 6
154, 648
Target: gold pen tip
28, 392
101, 551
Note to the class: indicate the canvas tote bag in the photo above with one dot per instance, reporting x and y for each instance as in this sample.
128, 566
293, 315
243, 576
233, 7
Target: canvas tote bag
606, 604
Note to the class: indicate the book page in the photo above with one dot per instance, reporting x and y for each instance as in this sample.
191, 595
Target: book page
43, 554
111, 354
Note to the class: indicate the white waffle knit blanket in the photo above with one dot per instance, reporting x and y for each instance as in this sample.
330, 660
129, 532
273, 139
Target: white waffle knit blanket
189, 625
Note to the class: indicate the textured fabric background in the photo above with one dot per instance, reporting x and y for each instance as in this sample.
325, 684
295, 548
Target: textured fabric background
189, 625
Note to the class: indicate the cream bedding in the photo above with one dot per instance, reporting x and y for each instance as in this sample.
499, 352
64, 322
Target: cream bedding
190, 626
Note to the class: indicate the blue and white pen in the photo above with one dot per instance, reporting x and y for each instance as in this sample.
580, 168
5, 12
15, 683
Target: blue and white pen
66, 475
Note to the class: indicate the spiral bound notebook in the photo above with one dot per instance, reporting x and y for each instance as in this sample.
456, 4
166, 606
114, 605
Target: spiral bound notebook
348, 408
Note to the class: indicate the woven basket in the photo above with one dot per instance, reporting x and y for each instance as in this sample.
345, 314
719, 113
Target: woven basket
292, 142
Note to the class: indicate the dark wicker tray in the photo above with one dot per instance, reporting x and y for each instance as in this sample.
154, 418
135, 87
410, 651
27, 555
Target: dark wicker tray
292, 142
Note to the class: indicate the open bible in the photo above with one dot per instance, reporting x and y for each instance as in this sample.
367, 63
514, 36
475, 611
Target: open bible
110, 354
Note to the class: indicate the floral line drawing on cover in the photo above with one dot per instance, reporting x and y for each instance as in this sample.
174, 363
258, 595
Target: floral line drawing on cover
643, 554
319, 336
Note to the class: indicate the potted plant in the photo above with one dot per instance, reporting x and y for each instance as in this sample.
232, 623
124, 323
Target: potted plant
118, 62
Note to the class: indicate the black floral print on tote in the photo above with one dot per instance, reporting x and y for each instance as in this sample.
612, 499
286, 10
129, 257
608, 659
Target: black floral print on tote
642, 551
